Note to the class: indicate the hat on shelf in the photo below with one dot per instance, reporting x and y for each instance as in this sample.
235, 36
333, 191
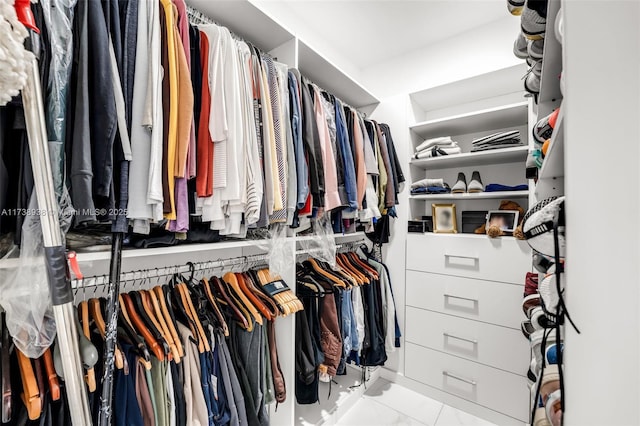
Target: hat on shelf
539, 224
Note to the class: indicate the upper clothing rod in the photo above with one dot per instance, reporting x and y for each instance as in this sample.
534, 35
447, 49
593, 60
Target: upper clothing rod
144, 274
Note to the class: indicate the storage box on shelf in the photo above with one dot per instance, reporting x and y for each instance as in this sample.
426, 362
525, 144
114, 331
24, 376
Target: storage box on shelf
461, 286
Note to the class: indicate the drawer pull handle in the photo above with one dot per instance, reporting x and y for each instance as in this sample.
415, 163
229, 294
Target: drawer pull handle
475, 342
451, 296
462, 379
462, 256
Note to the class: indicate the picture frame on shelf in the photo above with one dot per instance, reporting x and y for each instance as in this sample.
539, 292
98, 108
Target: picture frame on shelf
444, 219
506, 220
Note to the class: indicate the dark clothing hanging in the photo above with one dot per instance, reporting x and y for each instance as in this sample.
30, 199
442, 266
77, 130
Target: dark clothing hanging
311, 139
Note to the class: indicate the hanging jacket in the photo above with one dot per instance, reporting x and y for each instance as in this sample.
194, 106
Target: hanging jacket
311, 139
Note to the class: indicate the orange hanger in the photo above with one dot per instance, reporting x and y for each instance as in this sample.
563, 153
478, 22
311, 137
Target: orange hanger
358, 261
142, 329
214, 304
232, 280
347, 269
96, 313
90, 377
357, 269
30, 392
243, 280
269, 303
316, 267
160, 296
150, 297
238, 303
151, 314
54, 383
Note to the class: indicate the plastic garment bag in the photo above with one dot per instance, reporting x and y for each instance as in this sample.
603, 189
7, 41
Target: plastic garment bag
24, 291
58, 17
323, 245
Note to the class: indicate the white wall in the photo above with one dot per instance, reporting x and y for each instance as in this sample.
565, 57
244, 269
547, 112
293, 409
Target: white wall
285, 16
478, 51
602, 153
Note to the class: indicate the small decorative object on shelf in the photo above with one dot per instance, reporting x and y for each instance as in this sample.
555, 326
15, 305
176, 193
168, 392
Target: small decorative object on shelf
444, 218
505, 221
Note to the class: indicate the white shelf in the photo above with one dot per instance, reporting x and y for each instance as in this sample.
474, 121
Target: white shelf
496, 156
476, 196
245, 20
489, 85
477, 121
551, 176
134, 253
338, 237
331, 78
551, 60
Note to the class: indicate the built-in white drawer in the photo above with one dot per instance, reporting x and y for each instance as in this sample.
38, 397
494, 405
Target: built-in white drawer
488, 301
489, 344
496, 389
464, 255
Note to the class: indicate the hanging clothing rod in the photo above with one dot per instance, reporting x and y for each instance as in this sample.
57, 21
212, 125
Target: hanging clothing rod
147, 274
340, 248
196, 17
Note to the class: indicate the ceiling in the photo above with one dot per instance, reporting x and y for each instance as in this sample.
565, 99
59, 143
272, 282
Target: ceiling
372, 31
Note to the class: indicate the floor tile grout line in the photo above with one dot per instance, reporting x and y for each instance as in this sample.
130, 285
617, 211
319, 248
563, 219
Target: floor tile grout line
439, 413
399, 412
406, 414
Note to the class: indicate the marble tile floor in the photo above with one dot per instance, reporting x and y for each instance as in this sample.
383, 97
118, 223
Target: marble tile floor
389, 404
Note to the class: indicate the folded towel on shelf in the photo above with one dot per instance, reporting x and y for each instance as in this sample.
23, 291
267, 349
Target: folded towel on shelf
429, 143
497, 140
501, 145
432, 190
496, 187
438, 151
424, 183
447, 145
497, 137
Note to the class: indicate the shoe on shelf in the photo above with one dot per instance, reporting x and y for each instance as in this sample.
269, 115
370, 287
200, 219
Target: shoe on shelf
532, 82
535, 49
531, 284
527, 329
559, 27
520, 47
531, 167
553, 408
475, 185
461, 185
538, 337
549, 295
534, 19
551, 354
550, 382
538, 226
515, 7
542, 263
530, 302
540, 418
544, 127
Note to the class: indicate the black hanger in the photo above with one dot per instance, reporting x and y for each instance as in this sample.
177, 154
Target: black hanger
134, 338
166, 290
157, 334
180, 312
